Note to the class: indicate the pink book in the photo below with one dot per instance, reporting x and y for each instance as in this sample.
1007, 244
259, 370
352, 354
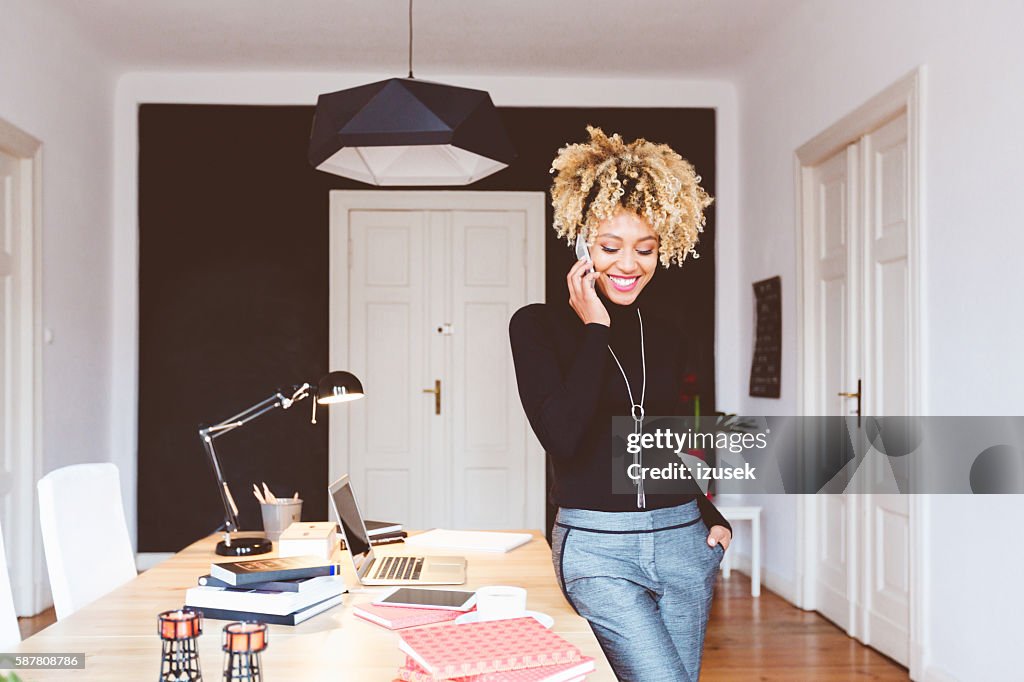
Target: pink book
563, 672
453, 650
398, 617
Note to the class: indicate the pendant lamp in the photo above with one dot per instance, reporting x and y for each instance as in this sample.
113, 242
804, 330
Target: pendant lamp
404, 131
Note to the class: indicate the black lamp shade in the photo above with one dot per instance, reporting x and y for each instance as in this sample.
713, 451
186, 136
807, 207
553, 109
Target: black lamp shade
404, 131
338, 387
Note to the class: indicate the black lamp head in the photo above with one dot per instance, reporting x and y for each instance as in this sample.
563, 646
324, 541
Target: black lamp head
404, 131
339, 387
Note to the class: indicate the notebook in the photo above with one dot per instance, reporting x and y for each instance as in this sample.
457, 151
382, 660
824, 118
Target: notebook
468, 540
400, 617
563, 672
453, 650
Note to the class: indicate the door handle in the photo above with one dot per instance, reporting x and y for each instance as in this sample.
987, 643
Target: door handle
436, 390
856, 395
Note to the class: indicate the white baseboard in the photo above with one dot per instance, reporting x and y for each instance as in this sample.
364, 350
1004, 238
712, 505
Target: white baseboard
147, 560
933, 673
784, 587
917, 667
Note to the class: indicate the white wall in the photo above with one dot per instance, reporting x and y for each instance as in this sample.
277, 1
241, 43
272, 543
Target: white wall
826, 60
303, 88
57, 88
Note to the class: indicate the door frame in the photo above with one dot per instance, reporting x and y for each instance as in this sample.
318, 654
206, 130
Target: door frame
906, 96
25, 550
344, 201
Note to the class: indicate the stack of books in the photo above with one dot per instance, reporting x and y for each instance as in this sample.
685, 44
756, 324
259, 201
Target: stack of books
514, 650
382, 533
281, 591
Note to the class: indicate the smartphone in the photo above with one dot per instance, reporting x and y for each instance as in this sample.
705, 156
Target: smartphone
582, 250
417, 598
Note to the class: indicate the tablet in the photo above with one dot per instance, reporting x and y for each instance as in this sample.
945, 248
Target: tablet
418, 598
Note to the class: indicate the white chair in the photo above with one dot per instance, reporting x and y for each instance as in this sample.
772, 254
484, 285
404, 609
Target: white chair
85, 536
9, 632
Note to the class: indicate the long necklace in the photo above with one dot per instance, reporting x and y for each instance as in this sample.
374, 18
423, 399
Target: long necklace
637, 412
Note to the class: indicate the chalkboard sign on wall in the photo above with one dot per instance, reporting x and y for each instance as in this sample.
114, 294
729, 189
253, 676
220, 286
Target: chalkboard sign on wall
767, 365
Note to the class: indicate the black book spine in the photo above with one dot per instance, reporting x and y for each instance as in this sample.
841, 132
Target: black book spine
383, 539
271, 585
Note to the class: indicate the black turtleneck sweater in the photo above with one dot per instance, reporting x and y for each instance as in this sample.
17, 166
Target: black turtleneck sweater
571, 388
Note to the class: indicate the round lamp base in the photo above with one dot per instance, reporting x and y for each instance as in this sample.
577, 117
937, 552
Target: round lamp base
244, 546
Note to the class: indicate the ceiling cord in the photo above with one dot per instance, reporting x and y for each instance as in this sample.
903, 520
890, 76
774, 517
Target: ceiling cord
410, 39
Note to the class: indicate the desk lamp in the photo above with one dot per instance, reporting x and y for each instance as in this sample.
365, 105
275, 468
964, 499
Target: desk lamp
336, 387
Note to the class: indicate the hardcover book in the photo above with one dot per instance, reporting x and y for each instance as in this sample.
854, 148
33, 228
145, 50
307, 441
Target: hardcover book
453, 650
300, 585
399, 617
263, 570
381, 527
385, 539
563, 672
273, 619
263, 601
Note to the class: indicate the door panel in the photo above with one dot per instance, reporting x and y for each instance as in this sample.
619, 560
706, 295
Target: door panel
887, 368
488, 447
834, 201
9, 210
388, 430
17, 515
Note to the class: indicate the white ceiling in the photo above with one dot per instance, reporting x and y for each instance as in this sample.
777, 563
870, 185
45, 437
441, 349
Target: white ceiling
683, 38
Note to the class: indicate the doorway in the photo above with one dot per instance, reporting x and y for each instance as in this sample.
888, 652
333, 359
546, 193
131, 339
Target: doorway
859, 313
20, 370
423, 285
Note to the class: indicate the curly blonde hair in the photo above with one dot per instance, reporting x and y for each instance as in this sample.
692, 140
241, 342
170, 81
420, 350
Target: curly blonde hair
594, 179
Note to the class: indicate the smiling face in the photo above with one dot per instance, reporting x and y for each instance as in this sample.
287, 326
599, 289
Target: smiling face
625, 256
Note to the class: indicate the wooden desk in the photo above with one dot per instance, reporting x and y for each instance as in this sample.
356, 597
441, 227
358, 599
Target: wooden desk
117, 632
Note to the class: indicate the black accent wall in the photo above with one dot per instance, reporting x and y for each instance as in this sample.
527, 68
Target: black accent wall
233, 290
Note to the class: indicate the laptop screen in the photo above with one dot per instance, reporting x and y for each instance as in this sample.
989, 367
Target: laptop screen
352, 527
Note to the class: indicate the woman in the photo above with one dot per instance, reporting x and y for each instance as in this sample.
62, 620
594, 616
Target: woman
640, 568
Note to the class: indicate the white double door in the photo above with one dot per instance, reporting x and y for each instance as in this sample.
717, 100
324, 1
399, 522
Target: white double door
859, 299
19, 458
420, 313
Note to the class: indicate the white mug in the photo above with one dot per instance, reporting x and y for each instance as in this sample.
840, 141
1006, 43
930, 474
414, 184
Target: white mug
498, 602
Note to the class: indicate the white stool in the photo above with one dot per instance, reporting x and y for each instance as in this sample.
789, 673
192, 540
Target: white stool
752, 514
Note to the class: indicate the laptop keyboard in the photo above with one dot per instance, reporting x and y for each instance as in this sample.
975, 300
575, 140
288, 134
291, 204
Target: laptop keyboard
399, 568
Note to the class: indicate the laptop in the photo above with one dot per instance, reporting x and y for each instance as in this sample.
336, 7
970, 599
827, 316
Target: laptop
387, 570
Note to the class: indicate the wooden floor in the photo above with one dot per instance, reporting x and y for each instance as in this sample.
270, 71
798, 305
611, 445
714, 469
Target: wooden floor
767, 639
751, 640
32, 625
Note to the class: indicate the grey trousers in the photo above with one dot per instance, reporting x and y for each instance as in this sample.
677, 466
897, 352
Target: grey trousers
644, 581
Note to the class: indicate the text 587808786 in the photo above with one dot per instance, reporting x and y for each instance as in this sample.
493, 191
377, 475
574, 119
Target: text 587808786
55, 661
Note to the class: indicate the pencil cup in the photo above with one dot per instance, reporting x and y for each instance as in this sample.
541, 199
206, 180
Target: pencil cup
277, 516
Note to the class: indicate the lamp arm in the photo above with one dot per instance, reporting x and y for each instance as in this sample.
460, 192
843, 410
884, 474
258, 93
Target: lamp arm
230, 510
208, 433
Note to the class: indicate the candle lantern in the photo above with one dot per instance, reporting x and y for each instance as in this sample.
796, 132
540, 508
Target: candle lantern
179, 630
242, 645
